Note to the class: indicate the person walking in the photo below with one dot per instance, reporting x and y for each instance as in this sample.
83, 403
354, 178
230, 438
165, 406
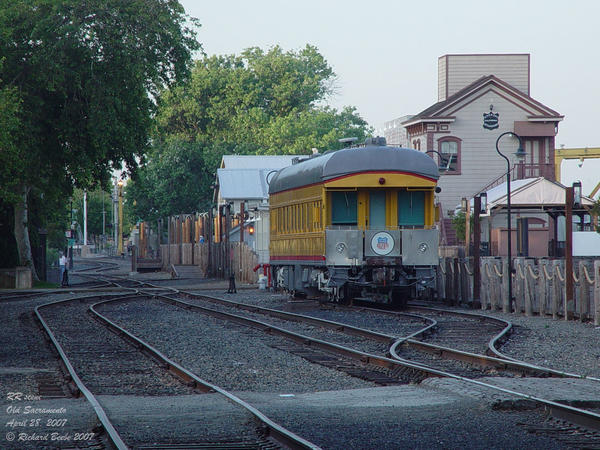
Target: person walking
62, 262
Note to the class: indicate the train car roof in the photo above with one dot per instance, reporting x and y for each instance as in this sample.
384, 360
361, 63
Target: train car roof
350, 161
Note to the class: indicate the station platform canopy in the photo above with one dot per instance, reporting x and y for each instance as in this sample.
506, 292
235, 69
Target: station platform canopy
534, 194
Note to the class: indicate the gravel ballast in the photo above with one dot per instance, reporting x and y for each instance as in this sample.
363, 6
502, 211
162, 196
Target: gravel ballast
231, 356
569, 346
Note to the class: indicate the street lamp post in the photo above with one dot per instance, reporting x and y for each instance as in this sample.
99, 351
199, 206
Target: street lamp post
120, 234
520, 154
441, 169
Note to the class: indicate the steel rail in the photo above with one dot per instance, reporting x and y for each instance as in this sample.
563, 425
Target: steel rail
81, 387
575, 415
502, 335
572, 414
276, 431
300, 318
475, 359
364, 357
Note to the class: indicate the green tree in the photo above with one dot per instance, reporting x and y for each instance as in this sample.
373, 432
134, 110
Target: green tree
255, 103
86, 74
176, 179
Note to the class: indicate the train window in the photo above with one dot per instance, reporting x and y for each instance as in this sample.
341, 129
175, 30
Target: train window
411, 208
295, 213
343, 208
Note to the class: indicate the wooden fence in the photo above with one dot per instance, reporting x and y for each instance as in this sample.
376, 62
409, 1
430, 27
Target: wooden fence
216, 262
538, 286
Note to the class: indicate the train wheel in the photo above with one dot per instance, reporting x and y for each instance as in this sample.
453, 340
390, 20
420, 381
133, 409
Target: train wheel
345, 296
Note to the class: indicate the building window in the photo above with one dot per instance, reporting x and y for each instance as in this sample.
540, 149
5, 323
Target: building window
449, 148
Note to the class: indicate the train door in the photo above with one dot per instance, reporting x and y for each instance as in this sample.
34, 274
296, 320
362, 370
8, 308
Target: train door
377, 210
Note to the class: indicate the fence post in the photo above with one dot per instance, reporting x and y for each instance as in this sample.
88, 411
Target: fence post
518, 285
527, 283
582, 293
556, 289
504, 290
456, 281
484, 289
495, 283
543, 284
596, 293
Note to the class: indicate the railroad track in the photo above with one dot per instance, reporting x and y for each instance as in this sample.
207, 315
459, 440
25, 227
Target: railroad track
113, 367
410, 370
498, 366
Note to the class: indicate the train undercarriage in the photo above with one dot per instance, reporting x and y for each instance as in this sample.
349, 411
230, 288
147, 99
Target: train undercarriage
376, 284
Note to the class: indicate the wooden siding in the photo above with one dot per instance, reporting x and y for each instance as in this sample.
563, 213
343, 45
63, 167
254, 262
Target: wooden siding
479, 161
442, 72
461, 70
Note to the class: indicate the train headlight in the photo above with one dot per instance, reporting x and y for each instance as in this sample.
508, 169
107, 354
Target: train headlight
340, 247
423, 247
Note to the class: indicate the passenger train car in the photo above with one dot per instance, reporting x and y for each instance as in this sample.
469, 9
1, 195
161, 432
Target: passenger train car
355, 223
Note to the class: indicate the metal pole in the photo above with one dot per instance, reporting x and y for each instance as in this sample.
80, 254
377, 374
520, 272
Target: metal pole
476, 253
568, 250
508, 222
509, 240
120, 237
84, 217
103, 221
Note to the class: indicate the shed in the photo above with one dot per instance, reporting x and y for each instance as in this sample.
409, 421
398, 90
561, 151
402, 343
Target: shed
542, 203
243, 180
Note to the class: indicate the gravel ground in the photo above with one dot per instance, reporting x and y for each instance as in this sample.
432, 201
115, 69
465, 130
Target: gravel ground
314, 331
24, 353
106, 363
569, 346
233, 357
562, 345
403, 417
25, 360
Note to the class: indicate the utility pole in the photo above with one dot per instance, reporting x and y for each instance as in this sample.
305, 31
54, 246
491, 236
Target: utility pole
568, 251
103, 221
120, 235
476, 252
84, 217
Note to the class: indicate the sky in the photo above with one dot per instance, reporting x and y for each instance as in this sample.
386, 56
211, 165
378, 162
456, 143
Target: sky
385, 53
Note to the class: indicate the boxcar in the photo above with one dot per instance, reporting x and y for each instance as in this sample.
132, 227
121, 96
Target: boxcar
355, 223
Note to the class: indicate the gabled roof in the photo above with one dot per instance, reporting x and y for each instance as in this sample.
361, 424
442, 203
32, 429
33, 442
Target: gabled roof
243, 184
447, 108
534, 193
256, 161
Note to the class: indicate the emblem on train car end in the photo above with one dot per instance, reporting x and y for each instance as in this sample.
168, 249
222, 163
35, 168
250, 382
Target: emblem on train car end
340, 247
423, 247
382, 243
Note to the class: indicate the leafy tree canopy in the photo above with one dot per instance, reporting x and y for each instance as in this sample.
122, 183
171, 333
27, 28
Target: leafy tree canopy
84, 76
259, 102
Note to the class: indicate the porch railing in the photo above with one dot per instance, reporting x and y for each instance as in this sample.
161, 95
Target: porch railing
521, 171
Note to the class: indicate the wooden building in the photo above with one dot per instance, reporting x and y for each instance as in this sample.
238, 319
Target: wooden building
242, 186
479, 98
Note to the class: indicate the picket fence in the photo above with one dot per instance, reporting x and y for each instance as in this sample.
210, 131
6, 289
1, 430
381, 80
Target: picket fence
539, 286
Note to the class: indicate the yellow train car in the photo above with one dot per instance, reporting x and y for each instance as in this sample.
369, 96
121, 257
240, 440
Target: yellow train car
355, 223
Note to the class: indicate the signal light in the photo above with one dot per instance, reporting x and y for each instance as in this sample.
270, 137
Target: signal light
251, 230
